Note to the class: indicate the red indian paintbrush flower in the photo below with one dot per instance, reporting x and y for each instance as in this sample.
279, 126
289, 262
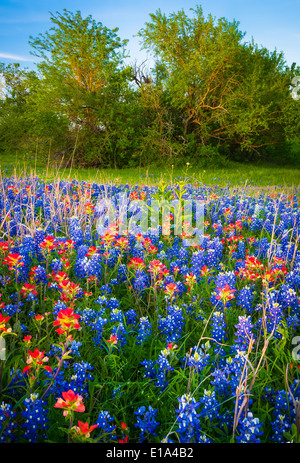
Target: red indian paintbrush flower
92, 251
107, 239
89, 208
70, 402
67, 320
60, 277
36, 360
14, 261
137, 263
28, 289
226, 293
205, 270
113, 340
4, 246
171, 289
48, 243
69, 290
84, 429
190, 280
122, 243
123, 441
3, 321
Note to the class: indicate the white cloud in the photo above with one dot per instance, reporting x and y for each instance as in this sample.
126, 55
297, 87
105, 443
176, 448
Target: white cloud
15, 57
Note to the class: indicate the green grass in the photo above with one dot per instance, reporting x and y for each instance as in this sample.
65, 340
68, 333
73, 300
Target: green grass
236, 174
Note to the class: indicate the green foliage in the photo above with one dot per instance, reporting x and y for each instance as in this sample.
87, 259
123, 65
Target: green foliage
210, 98
82, 82
227, 92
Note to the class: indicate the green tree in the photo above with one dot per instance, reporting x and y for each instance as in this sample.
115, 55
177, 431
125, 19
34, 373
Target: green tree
15, 128
82, 80
209, 95
227, 94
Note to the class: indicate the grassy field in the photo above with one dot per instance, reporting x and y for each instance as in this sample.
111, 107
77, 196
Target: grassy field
150, 330
236, 174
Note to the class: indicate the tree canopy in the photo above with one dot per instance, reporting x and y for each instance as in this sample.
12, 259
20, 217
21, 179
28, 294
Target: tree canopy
210, 95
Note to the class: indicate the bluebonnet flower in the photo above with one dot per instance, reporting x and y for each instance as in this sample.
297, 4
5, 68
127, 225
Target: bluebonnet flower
88, 235
75, 231
244, 332
197, 262
82, 251
122, 273
256, 224
131, 317
94, 266
120, 330
117, 391
105, 289
146, 422
56, 265
102, 301
210, 405
36, 419
293, 278
57, 386
150, 368
211, 259
249, 429
88, 316
27, 246
197, 358
268, 226
280, 425
11, 309
80, 378
75, 345
241, 250
225, 278
144, 330
292, 322
221, 381
113, 303
7, 423
218, 327
274, 317
283, 411
98, 326
104, 426
116, 315
163, 368
245, 299
287, 298
188, 419
81, 267
140, 281
39, 237
262, 248
227, 376
172, 325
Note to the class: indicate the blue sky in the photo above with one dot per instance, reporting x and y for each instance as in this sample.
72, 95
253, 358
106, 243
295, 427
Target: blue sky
273, 24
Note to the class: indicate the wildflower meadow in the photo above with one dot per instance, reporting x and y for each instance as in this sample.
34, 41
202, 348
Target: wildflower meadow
111, 335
